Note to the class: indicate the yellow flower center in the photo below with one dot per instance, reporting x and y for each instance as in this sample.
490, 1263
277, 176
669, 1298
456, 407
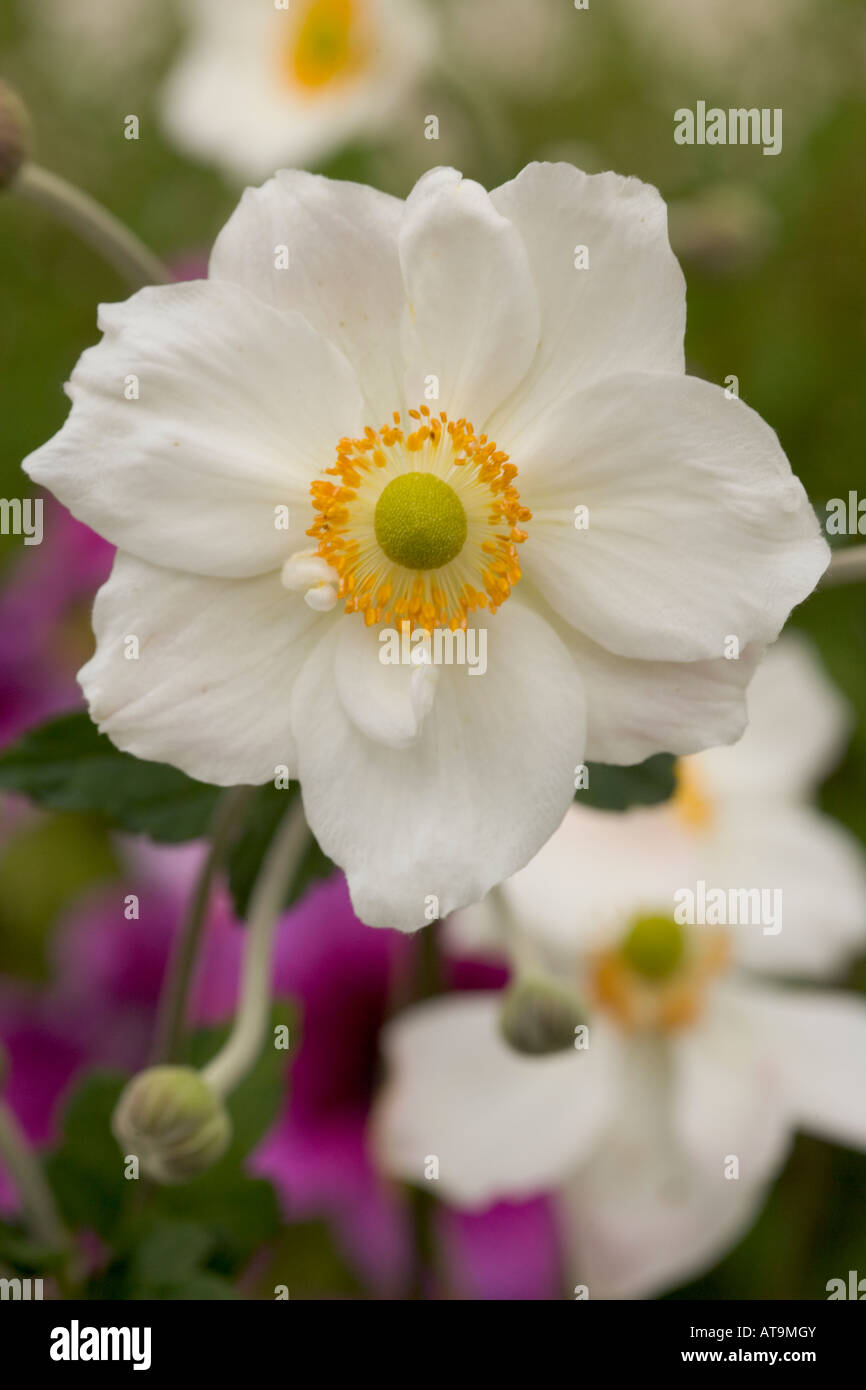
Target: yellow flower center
420, 522
328, 44
423, 524
657, 978
654, 947
690, 801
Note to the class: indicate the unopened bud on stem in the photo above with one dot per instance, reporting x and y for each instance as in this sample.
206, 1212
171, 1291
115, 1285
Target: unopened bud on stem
173, 1122
539, 1016
16, 134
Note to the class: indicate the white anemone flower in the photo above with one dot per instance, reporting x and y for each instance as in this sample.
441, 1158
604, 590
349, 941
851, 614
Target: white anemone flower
661, 1136
261, 449
261, 85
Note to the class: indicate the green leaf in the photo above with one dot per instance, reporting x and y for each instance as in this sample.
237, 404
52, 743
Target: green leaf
268, 808
616, 788
171, 1252
200, 1288
68, 765
26, 1255
164, 1259
240, 1213
86, 1170
306, 1259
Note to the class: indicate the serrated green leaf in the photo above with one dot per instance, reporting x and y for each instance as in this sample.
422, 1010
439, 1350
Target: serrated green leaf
68, 765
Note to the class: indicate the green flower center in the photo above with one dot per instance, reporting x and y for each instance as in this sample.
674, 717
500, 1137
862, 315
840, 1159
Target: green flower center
420, 522
654, 947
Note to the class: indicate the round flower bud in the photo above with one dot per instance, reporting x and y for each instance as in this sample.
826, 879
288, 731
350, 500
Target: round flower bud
539, 1016
173, 1122
15, 134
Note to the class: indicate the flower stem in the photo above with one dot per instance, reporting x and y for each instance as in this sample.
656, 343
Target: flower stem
282, 860
847, 566
173, 1001
523, 954
98, 227
35, 1194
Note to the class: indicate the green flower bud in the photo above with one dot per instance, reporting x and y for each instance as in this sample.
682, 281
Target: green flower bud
539, 1016
173, 1122
16, 134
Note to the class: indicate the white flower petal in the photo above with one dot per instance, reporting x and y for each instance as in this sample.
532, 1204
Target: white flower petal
595, 874
639, 1217
815, 866
473, 311
484, 784
819, 1042
626, 311
376, 697
209, 690
343, 275
638, 708
727, 1098
238, 408
501, 1125
799, 724
698, 529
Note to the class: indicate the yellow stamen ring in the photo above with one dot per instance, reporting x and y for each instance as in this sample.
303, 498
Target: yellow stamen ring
690, 801
657, 979
329, 45
423, 524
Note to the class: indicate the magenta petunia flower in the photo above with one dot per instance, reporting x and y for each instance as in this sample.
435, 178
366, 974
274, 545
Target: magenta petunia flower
45, 620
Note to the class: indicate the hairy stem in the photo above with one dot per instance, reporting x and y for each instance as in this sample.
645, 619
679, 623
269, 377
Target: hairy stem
847, 566
27, 1176
282, 860
96, 226
173, 1001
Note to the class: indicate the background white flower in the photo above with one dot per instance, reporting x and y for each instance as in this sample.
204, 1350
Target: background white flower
692, 1060
286, 386
259, 87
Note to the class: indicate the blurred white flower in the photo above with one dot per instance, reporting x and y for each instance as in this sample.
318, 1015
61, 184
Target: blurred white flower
260, 449
260, 86
662, 1135
94, 46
